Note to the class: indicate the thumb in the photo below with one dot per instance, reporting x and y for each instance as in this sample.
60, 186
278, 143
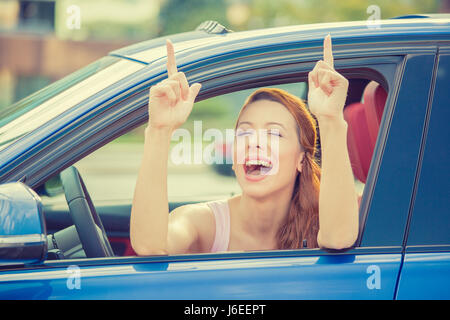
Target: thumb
194, 90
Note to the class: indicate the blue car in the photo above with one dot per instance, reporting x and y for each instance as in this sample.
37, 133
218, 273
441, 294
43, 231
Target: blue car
397, 111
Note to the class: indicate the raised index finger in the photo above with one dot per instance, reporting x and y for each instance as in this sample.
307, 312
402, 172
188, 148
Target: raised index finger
327, 51
171, 64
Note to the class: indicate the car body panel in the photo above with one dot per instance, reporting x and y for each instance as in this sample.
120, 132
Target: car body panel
316, 277
17, 198
425, 276
22, 226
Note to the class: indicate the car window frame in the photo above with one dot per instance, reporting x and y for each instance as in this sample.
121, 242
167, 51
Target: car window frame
65, 97
411, 63
343, 64
300, 252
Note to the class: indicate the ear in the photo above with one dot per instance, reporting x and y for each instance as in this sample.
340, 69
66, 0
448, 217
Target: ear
300, 162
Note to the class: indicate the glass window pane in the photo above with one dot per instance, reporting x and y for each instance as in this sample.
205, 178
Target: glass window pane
33, 111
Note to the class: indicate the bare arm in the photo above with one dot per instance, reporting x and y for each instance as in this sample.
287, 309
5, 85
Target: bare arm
338, 203
170, 103
150, 209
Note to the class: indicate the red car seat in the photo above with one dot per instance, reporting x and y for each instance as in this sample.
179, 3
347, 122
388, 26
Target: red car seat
363, 120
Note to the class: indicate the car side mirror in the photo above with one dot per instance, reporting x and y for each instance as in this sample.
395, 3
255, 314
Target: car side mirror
23, 236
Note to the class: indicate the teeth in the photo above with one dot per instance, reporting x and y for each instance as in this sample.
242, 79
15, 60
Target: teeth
258, 162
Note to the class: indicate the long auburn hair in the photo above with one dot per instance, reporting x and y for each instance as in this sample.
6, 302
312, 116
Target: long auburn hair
302, 222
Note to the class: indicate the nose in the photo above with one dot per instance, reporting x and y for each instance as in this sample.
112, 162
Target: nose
259, 143
255, 143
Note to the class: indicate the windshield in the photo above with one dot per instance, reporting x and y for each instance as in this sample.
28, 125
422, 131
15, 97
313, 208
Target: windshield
43, 105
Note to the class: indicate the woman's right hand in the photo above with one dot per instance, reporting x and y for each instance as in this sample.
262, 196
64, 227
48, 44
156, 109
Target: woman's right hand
171, 100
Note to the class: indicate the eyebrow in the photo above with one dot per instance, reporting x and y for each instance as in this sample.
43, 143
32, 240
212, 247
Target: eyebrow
267, 123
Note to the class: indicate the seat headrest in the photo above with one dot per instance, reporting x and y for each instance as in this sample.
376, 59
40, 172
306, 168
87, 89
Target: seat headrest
374, 100
363, 120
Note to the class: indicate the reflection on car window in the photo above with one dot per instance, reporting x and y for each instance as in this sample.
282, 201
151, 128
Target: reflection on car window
60, 96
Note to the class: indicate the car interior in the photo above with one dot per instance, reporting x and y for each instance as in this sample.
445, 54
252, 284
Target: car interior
106, 223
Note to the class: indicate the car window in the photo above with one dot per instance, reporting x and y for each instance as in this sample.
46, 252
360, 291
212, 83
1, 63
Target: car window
363, 113
194, 175
110, 172
35, 110
430, 220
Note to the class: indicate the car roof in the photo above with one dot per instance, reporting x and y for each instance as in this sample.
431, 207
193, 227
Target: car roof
419, 27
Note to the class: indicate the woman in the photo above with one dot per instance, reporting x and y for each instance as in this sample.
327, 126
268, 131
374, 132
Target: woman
278, 209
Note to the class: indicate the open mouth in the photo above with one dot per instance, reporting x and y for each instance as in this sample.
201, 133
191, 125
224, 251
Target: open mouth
257, 167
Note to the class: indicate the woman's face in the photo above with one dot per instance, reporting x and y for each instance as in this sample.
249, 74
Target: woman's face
267, 153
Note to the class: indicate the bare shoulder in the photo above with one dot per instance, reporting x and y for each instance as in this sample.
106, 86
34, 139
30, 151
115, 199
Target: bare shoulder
200, 217
194, 211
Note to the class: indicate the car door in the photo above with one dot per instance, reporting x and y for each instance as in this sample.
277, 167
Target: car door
368, 271
426, 268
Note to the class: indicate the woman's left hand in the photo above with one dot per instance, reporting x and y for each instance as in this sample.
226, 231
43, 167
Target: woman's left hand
327, 88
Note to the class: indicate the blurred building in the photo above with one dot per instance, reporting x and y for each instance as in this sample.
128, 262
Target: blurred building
445, 6
44, 40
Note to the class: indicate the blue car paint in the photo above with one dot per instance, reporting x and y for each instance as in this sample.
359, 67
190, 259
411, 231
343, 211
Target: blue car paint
22, 225
322, 276
425, 276
19, 213
316, 277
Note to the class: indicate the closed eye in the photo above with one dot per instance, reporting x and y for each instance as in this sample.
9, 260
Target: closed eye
275, 132
241, 133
